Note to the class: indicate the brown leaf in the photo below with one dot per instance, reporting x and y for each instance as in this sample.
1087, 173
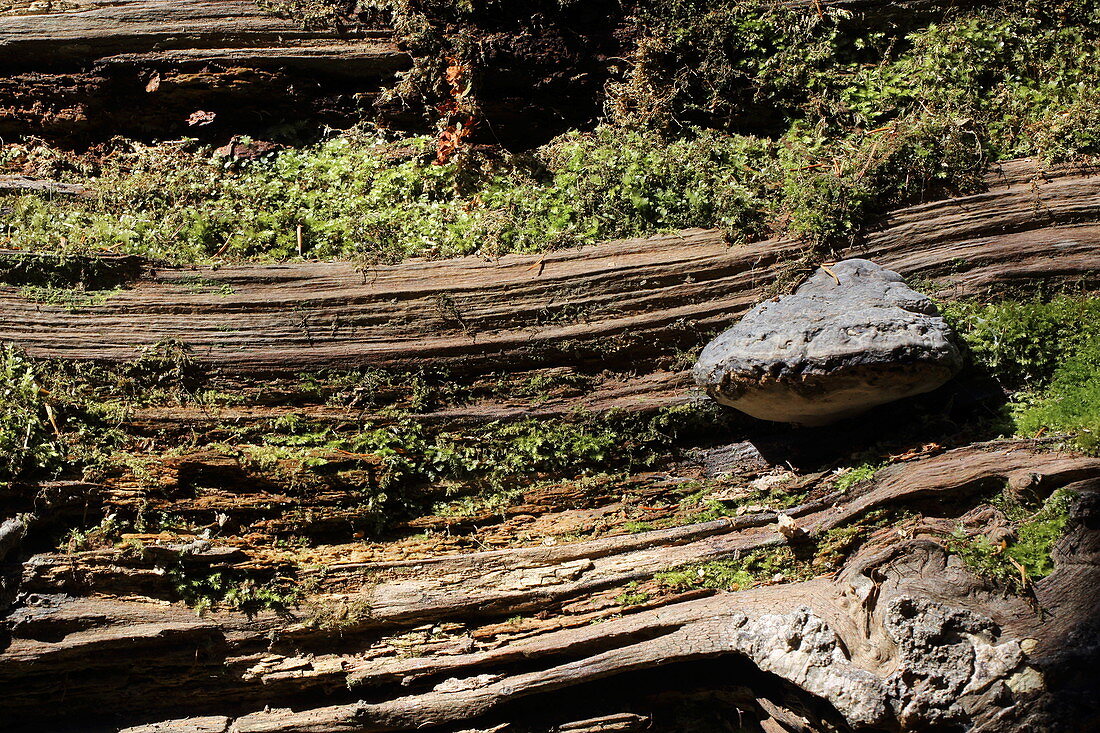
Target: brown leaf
199, 118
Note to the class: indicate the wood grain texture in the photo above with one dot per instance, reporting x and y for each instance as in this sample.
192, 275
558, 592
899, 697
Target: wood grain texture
98, 28
615, 301
93, 646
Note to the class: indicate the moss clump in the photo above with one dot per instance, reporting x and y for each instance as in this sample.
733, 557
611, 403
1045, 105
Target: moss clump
1025, 77
869, 112
66, 418
312, 14
700, 506
28, 443
496, 452
1022, 343
1047, 353
750, 569
204, 590
365, 197
1025, 558
782, 563
1071, 404
632, 596
857, 474
71, 299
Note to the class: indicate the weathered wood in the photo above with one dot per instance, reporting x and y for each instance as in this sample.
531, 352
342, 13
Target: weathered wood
618, 301
844, 644
88, 70
90, 30
396, 637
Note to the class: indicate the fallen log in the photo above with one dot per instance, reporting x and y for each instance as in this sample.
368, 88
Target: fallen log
82, 72
567, 623
619, 302
866, 643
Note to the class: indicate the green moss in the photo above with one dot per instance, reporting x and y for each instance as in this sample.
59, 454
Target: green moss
543, 386
1024, 77
1071, 404
105, 534
857, 474
785, 563
700, 506
66, 418
1048, 353
69, 298
353, 198
750, 569
869, 114
28, 444
632, 596
582, 443
491, 502
204, 590
1022, 343
1036, 534
312, 14
63, 271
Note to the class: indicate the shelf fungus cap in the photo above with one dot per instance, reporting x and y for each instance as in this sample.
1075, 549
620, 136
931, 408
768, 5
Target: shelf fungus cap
852, 337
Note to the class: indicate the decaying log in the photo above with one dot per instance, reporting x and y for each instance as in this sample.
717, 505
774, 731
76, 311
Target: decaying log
83, 71
546, 630
903, 635
622, 301
88, 30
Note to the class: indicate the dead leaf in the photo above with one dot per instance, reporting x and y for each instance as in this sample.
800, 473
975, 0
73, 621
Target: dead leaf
200, 118
787, 527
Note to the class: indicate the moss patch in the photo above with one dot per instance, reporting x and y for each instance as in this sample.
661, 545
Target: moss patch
1047, 353
1026, 557
861, 116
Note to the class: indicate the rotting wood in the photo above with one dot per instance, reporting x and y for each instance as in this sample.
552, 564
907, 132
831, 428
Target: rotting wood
85, 71
90, 30
847, 618
637, 296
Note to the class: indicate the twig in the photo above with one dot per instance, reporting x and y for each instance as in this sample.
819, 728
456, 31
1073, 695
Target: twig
53, 419
225, 247
1023, 571
541, 264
